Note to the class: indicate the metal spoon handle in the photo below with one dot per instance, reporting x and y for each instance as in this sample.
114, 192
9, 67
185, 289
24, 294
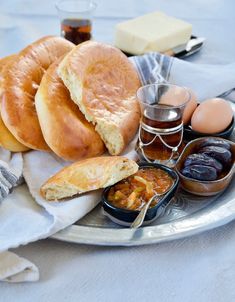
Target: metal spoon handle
140, 218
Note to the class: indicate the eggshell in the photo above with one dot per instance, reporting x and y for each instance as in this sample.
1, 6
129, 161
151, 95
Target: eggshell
190, 108
175, 96
212, 116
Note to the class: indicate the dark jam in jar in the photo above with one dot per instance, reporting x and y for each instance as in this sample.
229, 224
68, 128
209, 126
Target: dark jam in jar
76, 30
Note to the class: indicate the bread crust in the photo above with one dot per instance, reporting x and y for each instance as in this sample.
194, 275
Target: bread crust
20, 83
103, 83
7, 140
64, 127
88, 175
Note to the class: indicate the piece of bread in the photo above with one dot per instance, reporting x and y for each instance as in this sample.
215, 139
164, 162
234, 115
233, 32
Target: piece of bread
64, 127
87, 175
7, 140
103, 83
20, 84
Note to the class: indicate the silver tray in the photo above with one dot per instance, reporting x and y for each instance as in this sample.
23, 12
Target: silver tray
186, 215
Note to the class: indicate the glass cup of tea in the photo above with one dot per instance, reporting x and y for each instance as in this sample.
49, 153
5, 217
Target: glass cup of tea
160, 137
76, 19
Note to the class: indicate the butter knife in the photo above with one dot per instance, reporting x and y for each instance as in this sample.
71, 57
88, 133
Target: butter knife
193, 45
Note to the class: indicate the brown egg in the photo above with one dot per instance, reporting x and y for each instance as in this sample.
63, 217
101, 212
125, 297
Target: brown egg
190, 108
176, 96
212, 116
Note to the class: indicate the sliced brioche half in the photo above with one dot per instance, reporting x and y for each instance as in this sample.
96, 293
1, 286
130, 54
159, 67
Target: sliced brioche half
103, 83
64, 127
88, 175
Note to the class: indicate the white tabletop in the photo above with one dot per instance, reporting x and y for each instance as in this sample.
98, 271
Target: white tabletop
199, 268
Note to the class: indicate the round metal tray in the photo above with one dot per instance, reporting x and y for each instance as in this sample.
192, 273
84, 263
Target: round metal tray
186, 215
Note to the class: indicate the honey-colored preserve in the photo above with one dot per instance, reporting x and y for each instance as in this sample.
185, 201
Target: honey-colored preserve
133, 192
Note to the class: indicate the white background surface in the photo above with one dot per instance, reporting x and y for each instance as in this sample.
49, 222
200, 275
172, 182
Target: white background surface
200, 268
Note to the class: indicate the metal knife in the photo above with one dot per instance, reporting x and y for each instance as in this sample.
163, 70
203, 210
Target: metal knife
184, 50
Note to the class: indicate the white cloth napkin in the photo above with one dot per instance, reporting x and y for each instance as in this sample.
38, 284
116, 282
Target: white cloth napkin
205, 80
22, 220
17, 269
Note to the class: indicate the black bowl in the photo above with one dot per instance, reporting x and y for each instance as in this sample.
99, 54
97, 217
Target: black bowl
126, 217
190, 134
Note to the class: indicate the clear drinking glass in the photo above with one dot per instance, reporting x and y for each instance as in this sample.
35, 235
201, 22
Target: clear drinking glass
76, 19
161, 127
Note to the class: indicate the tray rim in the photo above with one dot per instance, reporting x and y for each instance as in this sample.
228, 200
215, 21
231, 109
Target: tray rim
177, 229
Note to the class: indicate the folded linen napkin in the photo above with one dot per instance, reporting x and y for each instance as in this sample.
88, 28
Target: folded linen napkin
10, 172
17, 269
205, 80
22, 220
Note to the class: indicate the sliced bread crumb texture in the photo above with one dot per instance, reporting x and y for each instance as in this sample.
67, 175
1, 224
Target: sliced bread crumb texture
88, 175
103, 83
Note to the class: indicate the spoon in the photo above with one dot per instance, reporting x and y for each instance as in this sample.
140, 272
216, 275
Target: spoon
140, 218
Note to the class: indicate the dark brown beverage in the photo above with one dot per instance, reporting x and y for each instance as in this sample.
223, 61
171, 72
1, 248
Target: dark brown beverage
76, 30
168, 123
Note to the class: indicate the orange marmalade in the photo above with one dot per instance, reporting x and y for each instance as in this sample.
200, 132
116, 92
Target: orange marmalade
133, 192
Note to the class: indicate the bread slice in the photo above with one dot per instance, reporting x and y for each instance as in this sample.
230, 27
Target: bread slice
103, 83
64, 127
87, 175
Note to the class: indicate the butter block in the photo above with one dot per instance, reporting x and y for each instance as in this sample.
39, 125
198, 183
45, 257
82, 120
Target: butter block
152, 32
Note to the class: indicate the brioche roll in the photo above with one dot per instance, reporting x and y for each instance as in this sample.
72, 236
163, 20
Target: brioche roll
103, 83
88, 175
7, 140
64, 127
21, 79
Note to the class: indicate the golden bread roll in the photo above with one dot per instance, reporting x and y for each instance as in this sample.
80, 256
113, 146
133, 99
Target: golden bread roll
64, 127
103, 83
7, 140
88, 175
20, 84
